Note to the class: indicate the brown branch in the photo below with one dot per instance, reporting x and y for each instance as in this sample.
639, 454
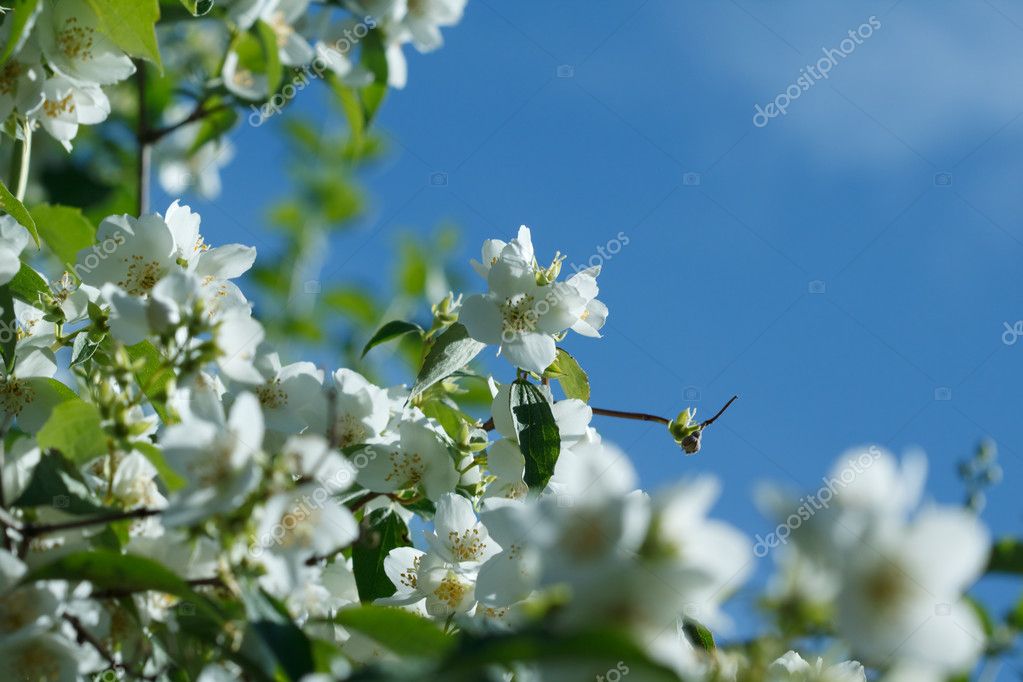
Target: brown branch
720, 412
31, 530
638, 416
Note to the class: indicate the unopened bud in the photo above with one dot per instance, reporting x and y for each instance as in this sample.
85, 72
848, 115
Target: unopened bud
691, 443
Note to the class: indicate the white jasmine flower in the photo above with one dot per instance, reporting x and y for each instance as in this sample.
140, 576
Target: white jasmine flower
793, 668
291, 395
518, 313
419, 459
13, 240
34, 655
217, 459
29, 394
21, 78
76, 46
138, 253
363, 410
238, 336
242, 81
458, 537
25, 608
66, 104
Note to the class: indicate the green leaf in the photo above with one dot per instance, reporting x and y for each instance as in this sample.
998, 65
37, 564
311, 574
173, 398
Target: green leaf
403, 632
274, 71
592, 654
374, 59
451, 351
47, 394
171, 478
107, 570
391, 330
276, 634
214, 125
17, 210
198, 8
75, 428
131, 25
18, 17
539, 439
570, 375
698, 634
383, 530
8, 327
1006, 557
27, 285
65, 230
153, 377
57, 483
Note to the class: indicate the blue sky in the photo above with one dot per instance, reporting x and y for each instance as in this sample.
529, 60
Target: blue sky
835, 267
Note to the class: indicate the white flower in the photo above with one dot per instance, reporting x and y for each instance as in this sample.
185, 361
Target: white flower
458, 537
901, 591
299, 525
217, 459
242, 81
34, 655
420, 459
520, 314
793, 668
21, 78
281, 16
75, 45
180, 169
66, 104
29, 394
362, 410
25, 608
309, 456
291, 396
425, 578
424, 18
134, 485
13, 240
137, 252
238, 336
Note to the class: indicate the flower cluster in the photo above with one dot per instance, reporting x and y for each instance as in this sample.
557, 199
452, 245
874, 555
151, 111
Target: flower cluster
175, 475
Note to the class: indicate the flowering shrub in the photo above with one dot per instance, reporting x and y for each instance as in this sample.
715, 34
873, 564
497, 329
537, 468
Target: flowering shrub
179, 501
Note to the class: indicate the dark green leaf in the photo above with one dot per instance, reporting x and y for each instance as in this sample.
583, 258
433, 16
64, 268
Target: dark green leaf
451, 351
1006, 557
539, 439
277, 634
383, 530
153, 377
197, 8
75, 429
570, 375
10, 204
698, 634
591, 654
65, 230
391, 330
8, 327
401, 631
107, 570
57, 483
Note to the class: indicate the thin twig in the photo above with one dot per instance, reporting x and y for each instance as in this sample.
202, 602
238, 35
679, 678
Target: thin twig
638, 416
200, 112
142, 135
31, 530
720, 412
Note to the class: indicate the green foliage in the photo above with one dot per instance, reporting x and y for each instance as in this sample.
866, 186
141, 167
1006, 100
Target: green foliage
10, 204
450, 351
383, 530
27, 285
401, 631
64, 230
538, 434
392, 330
198, 7
698, 634
570, 376
131, 25
1006, 557
272, 640
75, 428
57, 483
20, 13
